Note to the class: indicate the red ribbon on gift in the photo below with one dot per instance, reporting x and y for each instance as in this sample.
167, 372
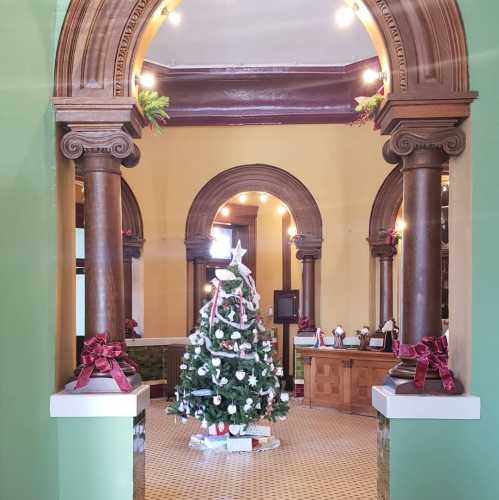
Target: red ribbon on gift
101, 355
431, 352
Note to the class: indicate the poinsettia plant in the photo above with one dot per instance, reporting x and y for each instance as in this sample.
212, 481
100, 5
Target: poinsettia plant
153, 106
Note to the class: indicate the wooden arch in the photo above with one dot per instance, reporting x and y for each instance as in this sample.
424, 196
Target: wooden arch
265, 178
133, 228
385, 208
421, 45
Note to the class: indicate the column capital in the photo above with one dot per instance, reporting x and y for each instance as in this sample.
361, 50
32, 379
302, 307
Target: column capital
383, 250
307, 247
100, 140
430, 138
198, 248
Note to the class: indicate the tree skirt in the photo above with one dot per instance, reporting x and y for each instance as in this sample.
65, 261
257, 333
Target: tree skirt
220, 444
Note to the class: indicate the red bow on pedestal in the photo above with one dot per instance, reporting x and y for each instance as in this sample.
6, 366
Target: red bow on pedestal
431, 352
101, 355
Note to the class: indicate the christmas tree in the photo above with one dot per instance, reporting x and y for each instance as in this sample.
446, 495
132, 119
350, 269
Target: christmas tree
229, 375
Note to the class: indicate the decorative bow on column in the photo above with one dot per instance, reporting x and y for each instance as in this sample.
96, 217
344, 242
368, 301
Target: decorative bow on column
101, 355
430, 353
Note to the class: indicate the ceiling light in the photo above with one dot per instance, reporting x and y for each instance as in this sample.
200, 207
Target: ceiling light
174, 18
207, 289
345, 17
370, 76
400, 225
264, 197
147, 80
225, 211
282, 210
292, 231
243, 197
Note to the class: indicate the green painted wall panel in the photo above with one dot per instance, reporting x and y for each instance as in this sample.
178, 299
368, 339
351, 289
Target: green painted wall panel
95, 458
28, 461
459, 460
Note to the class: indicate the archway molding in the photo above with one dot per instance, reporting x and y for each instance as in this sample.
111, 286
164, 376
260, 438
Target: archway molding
255, 177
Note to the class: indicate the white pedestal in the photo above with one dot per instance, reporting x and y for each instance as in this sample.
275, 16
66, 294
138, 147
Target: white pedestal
117, 404
391, 405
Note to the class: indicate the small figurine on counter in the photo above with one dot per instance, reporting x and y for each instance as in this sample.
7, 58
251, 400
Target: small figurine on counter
339, 335
391, 331
363, 335
319, 339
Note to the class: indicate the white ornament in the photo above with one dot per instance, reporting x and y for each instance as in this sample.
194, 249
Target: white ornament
204, 315
236, 347
271, 395
231, 315
225, 275
246, 408
258, 406
183, 366
249, 401
204, 424
224, 381
255, 331
240, 374
217, 399
194, 338
284, 397
257, 357
283, 418
235, 335
252, 381
272, 367
184, 420
219, 334
264, 372
279, 372
235, 430
246, 346
197, 350
202, 371
231, 409
187, 355
216, 362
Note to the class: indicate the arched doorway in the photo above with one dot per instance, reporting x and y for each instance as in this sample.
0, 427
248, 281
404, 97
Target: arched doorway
422, 51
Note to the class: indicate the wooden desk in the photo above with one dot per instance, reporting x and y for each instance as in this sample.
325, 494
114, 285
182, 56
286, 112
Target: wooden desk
342, 378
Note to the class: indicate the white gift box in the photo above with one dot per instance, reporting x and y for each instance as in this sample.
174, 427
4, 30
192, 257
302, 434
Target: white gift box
257, 430
239, 444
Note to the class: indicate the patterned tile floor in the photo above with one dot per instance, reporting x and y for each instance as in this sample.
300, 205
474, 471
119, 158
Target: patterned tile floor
324, 455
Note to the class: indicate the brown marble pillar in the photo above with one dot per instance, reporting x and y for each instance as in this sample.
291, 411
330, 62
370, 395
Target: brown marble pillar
309, 250
385, 255
98, 152
423, 151
127, 284
198, 290
308, 289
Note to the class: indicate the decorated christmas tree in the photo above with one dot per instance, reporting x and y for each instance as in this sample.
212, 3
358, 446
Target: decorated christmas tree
229, 375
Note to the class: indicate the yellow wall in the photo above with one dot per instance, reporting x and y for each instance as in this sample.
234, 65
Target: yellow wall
341, 165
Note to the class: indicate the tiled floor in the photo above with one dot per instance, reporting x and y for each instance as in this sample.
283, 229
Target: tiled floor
324, 455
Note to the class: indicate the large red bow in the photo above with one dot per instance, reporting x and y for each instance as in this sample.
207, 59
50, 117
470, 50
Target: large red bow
431, 352
101, 355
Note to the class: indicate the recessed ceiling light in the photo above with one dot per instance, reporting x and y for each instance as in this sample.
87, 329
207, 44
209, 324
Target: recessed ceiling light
264, 197
174, 18
292, 231
400, 225
147, 80
282, 210
225, 211
345, 17
243, 197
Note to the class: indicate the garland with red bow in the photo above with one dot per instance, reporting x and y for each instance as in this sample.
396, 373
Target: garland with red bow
430, 353
101, 355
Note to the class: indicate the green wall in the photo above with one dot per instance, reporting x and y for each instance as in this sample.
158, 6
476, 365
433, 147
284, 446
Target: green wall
459, 460
28, 460
430, 460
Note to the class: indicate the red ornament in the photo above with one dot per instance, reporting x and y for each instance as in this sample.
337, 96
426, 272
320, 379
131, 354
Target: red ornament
228, 345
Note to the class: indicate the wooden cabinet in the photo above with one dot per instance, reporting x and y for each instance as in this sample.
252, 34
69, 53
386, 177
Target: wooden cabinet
343, 379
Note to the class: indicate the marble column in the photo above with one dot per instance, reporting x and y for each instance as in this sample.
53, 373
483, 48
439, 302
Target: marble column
424, 150
385, 255
308, 252
99, 153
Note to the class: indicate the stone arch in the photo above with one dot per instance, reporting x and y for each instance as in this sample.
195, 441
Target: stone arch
421, 45
257, 177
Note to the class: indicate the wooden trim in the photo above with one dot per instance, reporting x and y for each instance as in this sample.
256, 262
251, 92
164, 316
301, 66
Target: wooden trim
257, 177
286, 252
262, 95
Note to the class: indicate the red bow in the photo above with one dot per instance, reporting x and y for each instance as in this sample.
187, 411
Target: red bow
101, 355
431, 352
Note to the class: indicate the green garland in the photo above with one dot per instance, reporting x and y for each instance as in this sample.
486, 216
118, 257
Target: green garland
153, 106
367, 108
